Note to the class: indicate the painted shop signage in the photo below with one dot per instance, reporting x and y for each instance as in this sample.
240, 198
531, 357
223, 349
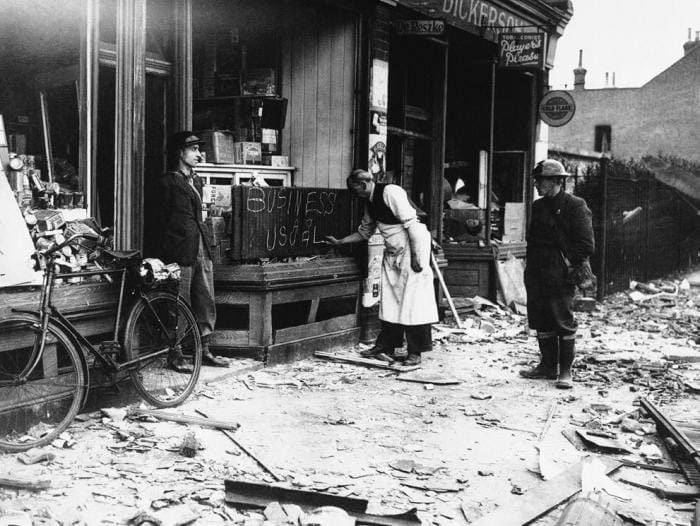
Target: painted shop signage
427, 27
521, 50
557, 108
469, 13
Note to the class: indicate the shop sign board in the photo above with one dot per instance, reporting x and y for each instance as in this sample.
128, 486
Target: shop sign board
521, 50
557, 108
425, 27
468, 14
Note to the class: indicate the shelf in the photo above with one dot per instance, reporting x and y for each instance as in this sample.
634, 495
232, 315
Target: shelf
224, 98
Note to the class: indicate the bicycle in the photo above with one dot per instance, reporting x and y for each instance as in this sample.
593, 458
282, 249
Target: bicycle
44, 366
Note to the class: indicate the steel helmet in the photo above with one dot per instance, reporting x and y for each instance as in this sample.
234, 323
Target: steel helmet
549, 168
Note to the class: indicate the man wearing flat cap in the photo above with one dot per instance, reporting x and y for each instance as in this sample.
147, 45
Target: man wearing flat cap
185, 241
559, 245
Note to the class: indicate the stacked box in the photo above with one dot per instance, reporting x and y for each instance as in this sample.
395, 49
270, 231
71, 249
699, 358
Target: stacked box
247, 153
219, 146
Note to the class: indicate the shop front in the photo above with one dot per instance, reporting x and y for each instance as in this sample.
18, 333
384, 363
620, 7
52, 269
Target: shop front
456, 84
89, 96
290, 97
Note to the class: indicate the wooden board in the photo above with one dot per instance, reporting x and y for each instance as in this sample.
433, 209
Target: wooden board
16, 247
511, 280
283, 221
518, 510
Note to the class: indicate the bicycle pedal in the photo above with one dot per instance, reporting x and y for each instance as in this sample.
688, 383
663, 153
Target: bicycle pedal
111, 348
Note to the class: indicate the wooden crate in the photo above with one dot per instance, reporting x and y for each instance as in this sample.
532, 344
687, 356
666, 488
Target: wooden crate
284, 311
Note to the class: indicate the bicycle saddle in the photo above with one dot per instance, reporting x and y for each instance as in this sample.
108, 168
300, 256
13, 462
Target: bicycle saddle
123, 256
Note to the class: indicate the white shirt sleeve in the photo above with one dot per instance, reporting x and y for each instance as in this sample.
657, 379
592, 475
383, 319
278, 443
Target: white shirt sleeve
396, 199
367, 226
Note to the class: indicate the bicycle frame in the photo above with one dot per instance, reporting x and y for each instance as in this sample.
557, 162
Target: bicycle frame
48, 312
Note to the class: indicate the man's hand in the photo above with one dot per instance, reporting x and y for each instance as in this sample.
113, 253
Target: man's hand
415, 263
333, 240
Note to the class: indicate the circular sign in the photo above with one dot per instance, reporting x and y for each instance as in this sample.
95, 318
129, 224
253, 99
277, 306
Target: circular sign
557, 108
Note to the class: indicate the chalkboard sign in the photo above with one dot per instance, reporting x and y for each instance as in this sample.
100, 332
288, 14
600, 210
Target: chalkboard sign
284, 221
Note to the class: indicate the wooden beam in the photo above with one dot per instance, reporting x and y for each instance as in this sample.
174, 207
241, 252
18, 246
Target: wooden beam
129, 124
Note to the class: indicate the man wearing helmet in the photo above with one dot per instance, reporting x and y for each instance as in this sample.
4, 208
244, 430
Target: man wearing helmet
560, 236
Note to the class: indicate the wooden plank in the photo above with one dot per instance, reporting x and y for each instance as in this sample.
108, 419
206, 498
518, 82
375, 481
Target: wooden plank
260, 328
358, 360
286, 75
329, 290
349, 96
184, 419
337, 94
313, 310
305, 348
324, 125
318, 328
515, 510
229, 338
310, 72
296, 101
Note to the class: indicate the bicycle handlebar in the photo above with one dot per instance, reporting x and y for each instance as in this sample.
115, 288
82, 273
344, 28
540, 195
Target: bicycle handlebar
85, 235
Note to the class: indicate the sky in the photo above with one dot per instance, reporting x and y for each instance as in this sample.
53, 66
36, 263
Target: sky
635, 39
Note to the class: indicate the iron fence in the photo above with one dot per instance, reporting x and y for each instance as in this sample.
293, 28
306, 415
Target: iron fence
643, 228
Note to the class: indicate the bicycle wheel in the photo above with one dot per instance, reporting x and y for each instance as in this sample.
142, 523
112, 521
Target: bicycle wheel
39, 403
159, 329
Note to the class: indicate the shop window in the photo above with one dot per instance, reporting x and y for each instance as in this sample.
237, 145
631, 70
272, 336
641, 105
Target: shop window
40, 61
279, 80
603, 138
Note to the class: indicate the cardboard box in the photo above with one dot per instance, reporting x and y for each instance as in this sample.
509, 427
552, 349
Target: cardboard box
279, 161
247, 153
219, 146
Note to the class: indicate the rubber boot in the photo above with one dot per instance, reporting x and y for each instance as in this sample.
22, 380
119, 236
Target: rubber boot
567, 352
547, 368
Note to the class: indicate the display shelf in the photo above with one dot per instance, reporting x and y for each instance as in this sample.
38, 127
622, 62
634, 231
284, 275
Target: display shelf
225, 98
244, 173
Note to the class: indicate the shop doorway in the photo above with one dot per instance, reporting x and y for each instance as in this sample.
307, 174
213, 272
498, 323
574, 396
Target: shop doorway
415, 130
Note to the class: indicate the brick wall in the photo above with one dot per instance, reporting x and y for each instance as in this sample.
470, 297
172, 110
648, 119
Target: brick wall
660, 117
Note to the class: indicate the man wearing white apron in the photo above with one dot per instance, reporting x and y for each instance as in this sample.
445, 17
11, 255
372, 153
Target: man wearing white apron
407, 295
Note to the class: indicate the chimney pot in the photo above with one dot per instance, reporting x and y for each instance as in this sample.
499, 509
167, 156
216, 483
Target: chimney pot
580, 73
697, 36
690, 33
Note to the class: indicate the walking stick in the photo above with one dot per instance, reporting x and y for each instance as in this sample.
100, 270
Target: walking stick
444, 289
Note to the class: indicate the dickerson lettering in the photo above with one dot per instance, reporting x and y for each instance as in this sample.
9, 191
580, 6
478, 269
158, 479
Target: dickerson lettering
481, 13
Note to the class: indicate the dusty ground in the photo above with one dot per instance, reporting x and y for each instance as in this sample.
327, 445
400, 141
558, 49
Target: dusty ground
454, 452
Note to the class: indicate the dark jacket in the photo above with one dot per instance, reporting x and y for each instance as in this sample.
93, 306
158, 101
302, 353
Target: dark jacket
180, 219
561, 222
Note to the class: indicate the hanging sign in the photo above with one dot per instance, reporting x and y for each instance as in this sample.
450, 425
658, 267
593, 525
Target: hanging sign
425, 27
557, 108
521, 50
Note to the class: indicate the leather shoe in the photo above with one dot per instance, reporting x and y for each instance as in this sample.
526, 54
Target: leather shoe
412, 359
216, 361
373, 352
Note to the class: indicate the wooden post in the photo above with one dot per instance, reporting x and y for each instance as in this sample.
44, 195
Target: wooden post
183, 65
129, 124
87, 104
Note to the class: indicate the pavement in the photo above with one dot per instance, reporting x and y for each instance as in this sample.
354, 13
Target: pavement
459, 440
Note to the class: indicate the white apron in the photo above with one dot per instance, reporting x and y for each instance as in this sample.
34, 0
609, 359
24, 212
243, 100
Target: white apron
407, 297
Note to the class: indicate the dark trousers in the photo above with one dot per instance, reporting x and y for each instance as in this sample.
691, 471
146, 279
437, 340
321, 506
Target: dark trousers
419, 338
197, 289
